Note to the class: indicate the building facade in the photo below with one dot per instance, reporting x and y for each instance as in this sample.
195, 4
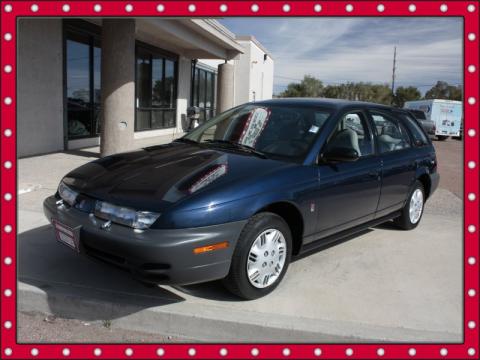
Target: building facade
85, 82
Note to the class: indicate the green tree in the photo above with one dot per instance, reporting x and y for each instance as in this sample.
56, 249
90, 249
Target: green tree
403, 94
442, 90
308, 87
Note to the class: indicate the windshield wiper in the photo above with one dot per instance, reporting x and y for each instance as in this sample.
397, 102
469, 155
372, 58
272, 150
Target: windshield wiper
235, 145
185, 140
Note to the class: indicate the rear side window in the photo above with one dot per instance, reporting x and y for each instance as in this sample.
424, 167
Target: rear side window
391, 135
419, 137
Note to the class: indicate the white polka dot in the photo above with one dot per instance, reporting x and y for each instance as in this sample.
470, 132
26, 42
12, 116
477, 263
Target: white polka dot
471, 292
471, 260
443, 8
128, 8
412, 8
8, 132
160, 352
255, 7
8, 8
286, 8
471, 351
471, 164
471, 324
8, 351
255, 352
380, 8
471, 197
66, 8
192, 352
471, 36
8, 228
8, 292
7, 100
223, 352
192, 8
7, 69
66, 352
8, 324
286, 352
380, 352
34, 352
412, 352
317, 8
471, 8
7, 36
471, 228
471, 100
129, 352
34, 7
223, 8
160, 8
8, 165
8, 260
471, 68
471, 132
349, 7
349, 352
97, 8
97, 352
443, 352
317, 352
7, 197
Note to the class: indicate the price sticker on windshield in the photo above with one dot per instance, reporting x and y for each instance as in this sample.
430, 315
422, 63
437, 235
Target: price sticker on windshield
254, 126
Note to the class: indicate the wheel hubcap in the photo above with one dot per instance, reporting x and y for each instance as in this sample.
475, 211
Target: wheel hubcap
416, 206
266, 258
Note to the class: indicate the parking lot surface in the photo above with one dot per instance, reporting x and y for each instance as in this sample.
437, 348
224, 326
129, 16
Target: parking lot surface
381, 285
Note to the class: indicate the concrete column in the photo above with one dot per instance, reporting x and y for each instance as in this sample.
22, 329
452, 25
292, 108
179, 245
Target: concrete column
225, 87
118, 85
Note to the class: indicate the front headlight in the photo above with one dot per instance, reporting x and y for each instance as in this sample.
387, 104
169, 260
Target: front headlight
125, 216
67, 194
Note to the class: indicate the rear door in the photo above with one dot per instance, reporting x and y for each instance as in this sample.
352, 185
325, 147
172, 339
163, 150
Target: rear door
348, 192
398, 159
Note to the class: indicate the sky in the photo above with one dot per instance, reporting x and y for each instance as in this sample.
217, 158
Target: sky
337, 50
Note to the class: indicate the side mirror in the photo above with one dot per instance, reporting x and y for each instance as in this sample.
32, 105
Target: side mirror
340, 154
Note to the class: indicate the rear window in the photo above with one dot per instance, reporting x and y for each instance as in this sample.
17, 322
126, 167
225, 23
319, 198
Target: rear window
419, 137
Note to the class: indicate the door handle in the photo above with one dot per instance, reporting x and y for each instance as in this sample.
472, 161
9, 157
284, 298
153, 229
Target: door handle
373, 173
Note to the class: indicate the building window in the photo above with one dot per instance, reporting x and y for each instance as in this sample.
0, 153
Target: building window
156, 89
82, 65
203, 92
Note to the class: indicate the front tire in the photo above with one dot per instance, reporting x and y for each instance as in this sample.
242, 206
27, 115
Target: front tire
261, 257
413, 210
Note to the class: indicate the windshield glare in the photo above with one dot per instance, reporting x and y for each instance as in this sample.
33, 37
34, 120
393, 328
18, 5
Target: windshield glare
283, 131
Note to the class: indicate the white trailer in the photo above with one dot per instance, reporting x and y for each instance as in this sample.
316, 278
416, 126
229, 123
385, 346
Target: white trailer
447, 115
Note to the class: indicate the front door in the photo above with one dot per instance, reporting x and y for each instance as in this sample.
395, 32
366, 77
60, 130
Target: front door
348, 191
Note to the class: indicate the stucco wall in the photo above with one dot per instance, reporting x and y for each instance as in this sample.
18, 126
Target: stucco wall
40, 88
261, 74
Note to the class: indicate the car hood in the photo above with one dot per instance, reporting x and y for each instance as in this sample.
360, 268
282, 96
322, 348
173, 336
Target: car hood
154, 178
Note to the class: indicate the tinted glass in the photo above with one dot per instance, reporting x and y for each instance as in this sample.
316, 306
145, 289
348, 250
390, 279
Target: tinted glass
158, 94
79, 109
274, 130
419, 137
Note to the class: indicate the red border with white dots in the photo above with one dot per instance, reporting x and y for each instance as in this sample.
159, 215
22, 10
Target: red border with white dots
10, 10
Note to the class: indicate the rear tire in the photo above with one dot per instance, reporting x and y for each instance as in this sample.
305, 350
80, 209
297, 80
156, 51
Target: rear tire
413, 210
261, 257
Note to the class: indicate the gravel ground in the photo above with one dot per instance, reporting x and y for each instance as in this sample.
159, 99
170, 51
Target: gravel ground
450, 165
38, 328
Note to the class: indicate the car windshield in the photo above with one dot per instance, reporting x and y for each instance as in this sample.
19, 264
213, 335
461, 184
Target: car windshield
269, 130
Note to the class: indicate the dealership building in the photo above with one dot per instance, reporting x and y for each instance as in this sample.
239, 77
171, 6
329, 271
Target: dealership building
82, 82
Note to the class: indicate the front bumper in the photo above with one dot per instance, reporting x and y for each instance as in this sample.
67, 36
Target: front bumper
155, 256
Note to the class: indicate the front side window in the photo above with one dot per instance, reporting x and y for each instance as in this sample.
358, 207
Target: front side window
274, 130
352, 132
391, 135
155, 90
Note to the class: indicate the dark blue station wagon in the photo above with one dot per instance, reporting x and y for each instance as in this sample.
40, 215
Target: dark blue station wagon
240, 195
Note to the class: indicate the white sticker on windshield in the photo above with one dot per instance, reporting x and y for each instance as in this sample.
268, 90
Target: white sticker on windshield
314, 129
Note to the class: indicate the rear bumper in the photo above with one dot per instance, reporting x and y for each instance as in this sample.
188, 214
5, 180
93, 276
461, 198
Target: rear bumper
434, 180
156, 256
